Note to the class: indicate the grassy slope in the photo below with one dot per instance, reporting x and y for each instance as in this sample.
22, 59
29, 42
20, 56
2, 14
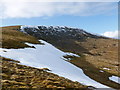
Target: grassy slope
102, 53
15, 75
15, 39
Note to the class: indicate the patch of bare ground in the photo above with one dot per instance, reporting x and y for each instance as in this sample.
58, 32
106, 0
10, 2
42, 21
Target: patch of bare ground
15, 75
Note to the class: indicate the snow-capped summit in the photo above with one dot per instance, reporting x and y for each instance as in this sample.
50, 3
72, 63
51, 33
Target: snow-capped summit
51, 28
58, 31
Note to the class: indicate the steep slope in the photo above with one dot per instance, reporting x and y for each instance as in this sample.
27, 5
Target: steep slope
15, 75
99, 54
14, 39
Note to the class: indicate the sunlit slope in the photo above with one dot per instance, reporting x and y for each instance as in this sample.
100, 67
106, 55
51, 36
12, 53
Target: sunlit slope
15, 39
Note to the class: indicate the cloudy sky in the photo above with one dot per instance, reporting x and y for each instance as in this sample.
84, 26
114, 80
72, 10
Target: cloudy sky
90, 15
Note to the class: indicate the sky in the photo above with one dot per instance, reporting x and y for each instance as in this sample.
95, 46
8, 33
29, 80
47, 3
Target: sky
95, 17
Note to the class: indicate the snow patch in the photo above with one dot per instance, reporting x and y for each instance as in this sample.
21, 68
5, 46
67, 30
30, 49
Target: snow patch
52, 28
101, 71
47, 56
22, 28
106, 68
115, 79
29, 26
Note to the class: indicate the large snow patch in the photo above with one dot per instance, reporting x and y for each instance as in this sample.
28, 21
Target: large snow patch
47, 56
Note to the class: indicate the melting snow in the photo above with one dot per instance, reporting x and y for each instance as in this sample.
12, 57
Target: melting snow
106, 68
115, 79
47, 56
101, 71
29, 26
53, 28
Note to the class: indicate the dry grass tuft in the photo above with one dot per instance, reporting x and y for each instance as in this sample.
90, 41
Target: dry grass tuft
15, 75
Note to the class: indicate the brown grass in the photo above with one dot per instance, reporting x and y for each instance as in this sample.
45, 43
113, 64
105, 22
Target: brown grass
15, 39
103, 53
15, 75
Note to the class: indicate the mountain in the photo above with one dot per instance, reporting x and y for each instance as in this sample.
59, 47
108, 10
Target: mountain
60, 36
98, 54
57, 31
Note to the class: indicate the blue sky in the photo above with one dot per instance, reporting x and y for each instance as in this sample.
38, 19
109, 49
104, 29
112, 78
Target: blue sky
94, 17
95, 24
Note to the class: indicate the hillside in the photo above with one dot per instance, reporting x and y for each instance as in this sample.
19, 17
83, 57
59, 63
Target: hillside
16, 75
98, 55
14, 39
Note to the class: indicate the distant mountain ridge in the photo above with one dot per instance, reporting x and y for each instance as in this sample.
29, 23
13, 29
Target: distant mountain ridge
66, 32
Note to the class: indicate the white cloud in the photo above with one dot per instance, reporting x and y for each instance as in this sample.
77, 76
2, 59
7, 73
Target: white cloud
28, 9
112, 34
